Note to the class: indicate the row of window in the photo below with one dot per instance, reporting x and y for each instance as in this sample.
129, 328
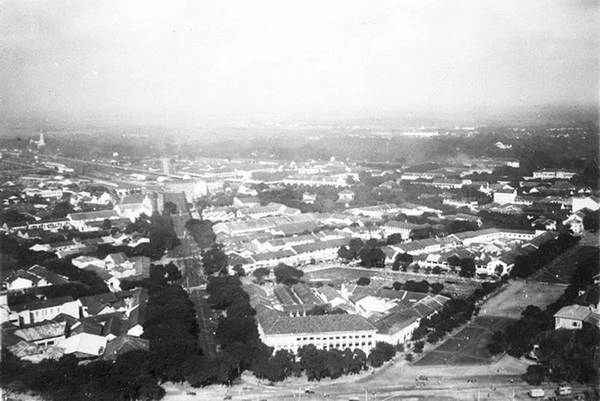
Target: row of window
331, 346
349, 337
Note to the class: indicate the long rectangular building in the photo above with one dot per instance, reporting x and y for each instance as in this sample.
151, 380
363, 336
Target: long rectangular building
323, 331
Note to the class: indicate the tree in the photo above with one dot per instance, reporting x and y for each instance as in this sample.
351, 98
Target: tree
372, 257
287, 275
418, 348
260, 273
106, 225
202, 232
395, 238
436, 270
344, 253
436, 288
397, 285
381, 353
354, 246
404, 259
535, 375
590, 221
497, 344
214, 261
363, 281
467, 267
162, 235
276, 368
169, 208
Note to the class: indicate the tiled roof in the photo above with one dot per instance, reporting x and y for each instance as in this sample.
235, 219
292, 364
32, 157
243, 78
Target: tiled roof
100, 214
316, 324
42, 331
124, 344
36, 305
575, 312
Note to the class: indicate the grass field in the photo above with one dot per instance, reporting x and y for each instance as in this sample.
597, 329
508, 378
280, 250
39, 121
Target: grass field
517, 295
468, 346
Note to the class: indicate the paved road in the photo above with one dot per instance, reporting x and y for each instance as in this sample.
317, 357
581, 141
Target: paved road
206, 340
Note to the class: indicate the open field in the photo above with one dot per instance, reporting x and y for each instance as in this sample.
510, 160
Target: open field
468, 346
517, 295
456, 286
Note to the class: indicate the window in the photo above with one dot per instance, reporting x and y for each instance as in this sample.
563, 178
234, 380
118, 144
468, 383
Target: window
312, 338
337, 337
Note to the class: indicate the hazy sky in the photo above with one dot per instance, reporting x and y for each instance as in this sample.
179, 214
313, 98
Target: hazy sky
194, 60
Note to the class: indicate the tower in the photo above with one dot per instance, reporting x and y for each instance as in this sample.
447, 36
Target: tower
166, 165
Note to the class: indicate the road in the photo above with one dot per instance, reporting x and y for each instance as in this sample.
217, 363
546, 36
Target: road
206, 340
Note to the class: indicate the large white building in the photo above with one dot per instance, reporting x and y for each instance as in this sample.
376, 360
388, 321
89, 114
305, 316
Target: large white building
324, 331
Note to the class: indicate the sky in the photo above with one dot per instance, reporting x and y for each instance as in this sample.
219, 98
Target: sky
193, 61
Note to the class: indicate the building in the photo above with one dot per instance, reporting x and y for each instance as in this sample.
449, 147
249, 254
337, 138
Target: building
346, 196
504, 196
323, 331
35, 276
588, 202
81, 221
48, 333
133, 206
572, 317
400, 227
38, 311
552, 174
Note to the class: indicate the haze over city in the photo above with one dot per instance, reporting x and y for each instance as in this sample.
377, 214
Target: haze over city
276, 201
193, 62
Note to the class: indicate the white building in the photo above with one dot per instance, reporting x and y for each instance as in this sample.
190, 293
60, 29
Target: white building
323, 331
572, 317
38, 311
588, 202
399, 227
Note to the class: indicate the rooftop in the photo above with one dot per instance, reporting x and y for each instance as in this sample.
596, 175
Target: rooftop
315, 324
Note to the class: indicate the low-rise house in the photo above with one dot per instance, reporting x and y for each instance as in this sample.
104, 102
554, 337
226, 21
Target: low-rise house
38, 311
575, 220
587, 202
35, 276
346, 196
403, 228
84, 345
572, 317
123, 344
44, 334
80, 221
133, 206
